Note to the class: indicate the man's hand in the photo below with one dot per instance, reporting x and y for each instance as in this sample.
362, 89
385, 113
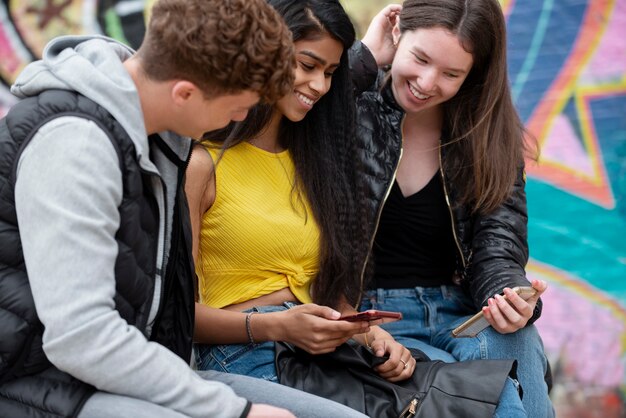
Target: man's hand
266, 411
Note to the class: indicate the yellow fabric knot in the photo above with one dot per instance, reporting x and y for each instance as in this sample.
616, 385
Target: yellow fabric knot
300, 278
300, 283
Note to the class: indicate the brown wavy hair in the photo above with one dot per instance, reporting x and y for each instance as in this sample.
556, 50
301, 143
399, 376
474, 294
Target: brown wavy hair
486, 146
222, 46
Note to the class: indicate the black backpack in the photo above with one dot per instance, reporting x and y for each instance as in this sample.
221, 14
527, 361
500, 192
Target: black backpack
469, 389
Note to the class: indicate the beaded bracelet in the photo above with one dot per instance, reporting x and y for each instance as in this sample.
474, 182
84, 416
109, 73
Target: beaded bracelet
249, 328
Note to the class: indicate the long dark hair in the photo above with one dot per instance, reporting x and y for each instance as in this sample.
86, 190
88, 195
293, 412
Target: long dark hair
323, 148
487, 147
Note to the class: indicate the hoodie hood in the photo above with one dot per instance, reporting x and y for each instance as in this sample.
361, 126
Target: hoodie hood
93, 67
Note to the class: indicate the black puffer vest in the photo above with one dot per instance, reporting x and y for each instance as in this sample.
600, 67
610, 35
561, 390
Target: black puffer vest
492, 248
29, 384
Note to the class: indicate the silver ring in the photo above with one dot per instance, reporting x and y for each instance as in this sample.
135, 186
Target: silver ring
405, 364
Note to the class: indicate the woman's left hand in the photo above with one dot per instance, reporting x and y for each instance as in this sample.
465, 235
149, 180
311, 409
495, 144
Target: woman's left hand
401, 363
508, 315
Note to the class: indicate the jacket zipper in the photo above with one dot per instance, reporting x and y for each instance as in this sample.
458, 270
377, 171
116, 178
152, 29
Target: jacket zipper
445, 192
411, 409
380, 212
162, 270
165, 278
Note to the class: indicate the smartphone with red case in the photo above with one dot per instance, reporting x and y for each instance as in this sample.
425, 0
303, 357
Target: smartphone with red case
373, 315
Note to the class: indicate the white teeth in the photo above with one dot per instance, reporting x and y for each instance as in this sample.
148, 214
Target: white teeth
305, 99
417, 93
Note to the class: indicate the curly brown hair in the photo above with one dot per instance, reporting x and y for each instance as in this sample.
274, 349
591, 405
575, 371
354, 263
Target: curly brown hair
222, 46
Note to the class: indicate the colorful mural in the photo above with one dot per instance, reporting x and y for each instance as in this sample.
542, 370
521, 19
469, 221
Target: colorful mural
568, 75
27, 25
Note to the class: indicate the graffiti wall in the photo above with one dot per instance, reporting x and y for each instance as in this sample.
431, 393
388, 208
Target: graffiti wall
27, 25
568, 74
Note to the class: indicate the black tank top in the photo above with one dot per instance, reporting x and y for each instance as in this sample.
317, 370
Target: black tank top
414, 245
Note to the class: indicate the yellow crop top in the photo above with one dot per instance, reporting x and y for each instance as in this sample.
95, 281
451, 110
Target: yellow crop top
258, 237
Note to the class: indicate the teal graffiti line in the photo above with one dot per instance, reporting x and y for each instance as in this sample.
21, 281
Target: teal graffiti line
533, 50
576, 236
608, 249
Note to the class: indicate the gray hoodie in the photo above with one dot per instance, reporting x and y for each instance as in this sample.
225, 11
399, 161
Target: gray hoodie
68, 189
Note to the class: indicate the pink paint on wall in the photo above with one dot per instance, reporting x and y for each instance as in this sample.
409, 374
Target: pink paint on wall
562, 146
9, 61
609, 59
585, 336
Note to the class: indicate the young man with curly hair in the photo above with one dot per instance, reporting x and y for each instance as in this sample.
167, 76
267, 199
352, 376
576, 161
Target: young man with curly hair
96, 275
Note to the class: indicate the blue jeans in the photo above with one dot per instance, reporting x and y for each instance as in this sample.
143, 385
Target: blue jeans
429, 316
108, 405
256, 360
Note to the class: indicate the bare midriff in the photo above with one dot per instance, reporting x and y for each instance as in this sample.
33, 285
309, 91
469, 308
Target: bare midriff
274, 298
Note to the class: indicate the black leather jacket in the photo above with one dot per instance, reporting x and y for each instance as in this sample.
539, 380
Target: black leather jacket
492, 249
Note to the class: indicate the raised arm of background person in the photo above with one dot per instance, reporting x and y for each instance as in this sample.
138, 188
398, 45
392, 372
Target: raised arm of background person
378, 38
68, 189
375, 50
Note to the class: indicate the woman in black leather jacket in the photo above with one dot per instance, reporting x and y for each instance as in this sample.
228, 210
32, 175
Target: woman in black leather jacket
443, 155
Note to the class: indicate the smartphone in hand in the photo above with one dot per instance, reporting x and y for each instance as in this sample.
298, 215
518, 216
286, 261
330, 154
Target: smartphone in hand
373, 315
477, 323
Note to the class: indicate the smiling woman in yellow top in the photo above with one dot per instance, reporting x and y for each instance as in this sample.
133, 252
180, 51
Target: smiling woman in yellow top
257, 237
277, 216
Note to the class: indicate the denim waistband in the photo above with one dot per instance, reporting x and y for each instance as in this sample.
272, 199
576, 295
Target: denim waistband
381, 294
272, 308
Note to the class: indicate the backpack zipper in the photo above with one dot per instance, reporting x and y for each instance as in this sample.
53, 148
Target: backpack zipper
411, 409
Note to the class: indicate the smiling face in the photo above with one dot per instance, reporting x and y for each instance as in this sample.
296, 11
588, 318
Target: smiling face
199, 114
429, 68
316, 60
